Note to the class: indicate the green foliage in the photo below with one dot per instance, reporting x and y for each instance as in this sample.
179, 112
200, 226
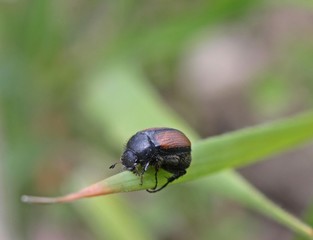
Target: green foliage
73, 90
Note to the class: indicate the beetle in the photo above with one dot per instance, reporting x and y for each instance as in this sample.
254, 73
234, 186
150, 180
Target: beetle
161, 148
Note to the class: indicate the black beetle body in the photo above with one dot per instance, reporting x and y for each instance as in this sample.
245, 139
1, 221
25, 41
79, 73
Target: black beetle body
165, 148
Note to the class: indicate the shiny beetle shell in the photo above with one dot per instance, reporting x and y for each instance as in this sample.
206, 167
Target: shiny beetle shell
165, 148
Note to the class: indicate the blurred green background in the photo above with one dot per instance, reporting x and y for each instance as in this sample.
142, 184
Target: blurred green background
78, 78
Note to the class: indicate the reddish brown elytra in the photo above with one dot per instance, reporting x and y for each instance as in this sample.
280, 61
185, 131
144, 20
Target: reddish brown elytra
171, 139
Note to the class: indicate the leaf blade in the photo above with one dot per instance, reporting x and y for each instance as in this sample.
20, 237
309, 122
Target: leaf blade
251, 144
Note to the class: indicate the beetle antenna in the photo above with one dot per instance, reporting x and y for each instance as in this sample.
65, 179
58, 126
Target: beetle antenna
113, 165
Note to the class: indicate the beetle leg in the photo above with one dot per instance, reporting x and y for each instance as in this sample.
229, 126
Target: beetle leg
169, 180
156, 177
156, 180
144, 169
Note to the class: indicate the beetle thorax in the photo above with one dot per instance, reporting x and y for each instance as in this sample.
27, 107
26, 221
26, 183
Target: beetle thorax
141, 145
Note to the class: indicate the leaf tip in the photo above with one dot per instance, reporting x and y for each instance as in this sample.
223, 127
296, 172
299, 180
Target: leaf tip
38, 200
96, 189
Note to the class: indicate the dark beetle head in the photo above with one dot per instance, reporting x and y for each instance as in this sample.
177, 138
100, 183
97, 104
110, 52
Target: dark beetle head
129, 160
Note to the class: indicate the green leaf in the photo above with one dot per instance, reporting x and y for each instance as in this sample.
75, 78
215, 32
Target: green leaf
250, 145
